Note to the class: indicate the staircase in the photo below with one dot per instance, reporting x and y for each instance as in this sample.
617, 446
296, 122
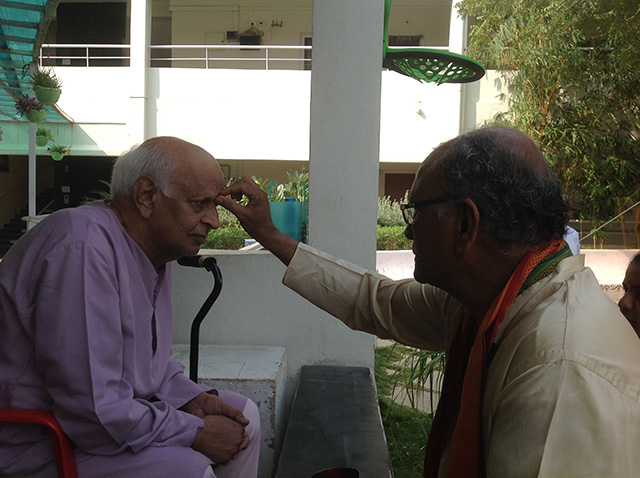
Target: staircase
16, 227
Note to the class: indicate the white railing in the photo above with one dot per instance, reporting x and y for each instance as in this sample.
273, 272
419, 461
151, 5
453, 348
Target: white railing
263, 57
62, 54
282, 57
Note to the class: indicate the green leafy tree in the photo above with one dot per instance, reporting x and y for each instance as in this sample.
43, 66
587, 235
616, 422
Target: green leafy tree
574, 87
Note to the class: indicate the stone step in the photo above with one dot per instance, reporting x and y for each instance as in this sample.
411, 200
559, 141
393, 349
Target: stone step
257, 372
335, 422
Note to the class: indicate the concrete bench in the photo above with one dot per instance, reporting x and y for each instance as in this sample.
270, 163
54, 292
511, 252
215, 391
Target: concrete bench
334, 422
257, 372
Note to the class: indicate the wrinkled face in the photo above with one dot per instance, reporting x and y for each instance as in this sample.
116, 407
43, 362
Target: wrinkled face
183, 219
630, 302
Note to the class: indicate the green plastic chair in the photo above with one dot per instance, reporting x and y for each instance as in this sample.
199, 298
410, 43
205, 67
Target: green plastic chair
426, 64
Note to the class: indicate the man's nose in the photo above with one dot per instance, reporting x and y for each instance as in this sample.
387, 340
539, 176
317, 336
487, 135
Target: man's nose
408, 232
626, 302
211, 218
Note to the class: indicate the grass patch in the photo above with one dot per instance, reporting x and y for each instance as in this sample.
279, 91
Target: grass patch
406, 428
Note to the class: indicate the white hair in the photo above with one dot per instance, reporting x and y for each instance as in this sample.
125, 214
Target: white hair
149, 159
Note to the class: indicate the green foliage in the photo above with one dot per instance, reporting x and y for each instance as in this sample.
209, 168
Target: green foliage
25, 103
406, 428
420, 371
45, 133
297, 187
392, 238
389, 213
406, 431
226, 238
57, 148
46, 78
227, 219
575, 91
98, 194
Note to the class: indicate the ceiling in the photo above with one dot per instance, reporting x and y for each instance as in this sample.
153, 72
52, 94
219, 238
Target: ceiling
23, 24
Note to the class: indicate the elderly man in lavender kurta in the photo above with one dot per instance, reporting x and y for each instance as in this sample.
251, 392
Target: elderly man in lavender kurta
86, 324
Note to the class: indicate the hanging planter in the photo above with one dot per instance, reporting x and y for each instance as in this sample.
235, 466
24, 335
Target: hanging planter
43, 136
46, 86
47, 96
36, 116
58, 152
31, 108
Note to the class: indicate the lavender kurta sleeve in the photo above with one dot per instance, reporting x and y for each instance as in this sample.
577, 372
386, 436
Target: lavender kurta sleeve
86, 331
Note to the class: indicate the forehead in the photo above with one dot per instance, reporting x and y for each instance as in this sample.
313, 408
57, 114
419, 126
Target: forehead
198, 174
632, 276
425, 184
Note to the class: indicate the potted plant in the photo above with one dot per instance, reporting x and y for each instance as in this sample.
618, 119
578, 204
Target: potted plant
252, 36
46, 85
43, 136
31, 108
57, 151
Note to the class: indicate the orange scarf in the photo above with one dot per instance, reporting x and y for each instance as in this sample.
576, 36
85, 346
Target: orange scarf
459, 413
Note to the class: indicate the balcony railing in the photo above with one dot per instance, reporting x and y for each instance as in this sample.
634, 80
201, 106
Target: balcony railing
61, 54
262, 57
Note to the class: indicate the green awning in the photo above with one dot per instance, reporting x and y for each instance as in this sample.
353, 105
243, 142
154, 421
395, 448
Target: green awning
23, 24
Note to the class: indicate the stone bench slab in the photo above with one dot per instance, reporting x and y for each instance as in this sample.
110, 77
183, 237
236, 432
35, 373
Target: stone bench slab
257, 372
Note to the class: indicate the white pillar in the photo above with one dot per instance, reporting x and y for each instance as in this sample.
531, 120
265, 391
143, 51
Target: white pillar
345, 127
32, 161
457, 31
140, 39
32, 174
457, 44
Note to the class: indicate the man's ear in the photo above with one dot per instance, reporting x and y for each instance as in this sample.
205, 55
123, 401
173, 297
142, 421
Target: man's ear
468, 224
144, 191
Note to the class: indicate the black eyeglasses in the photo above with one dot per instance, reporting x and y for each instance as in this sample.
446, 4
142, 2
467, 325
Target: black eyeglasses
409, 210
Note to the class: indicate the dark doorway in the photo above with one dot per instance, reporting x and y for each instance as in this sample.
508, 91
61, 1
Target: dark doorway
78, 178
93, 23
396, 185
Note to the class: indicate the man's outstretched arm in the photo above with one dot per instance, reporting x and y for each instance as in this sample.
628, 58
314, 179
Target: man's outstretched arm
255, 217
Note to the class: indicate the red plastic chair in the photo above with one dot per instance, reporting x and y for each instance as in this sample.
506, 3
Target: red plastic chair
62, 450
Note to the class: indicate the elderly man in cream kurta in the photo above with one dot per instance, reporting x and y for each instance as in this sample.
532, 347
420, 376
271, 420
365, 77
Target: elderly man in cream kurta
543, 372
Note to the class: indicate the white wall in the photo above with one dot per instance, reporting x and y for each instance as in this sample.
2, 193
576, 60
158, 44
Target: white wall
261, 115
254, 308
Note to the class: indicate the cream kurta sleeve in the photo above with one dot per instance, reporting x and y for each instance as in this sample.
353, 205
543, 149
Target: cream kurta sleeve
414, 314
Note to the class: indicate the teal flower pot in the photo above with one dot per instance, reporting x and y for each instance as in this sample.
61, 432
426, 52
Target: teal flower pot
42, 140
47, 96
36, 116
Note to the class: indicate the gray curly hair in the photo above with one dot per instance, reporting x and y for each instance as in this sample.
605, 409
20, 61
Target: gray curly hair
147, 159
494, 167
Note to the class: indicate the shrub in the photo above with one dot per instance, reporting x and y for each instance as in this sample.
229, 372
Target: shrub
227, 219
392, 238
389, 213
226, 238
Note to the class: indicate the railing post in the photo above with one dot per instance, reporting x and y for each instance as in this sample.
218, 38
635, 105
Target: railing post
266, 58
